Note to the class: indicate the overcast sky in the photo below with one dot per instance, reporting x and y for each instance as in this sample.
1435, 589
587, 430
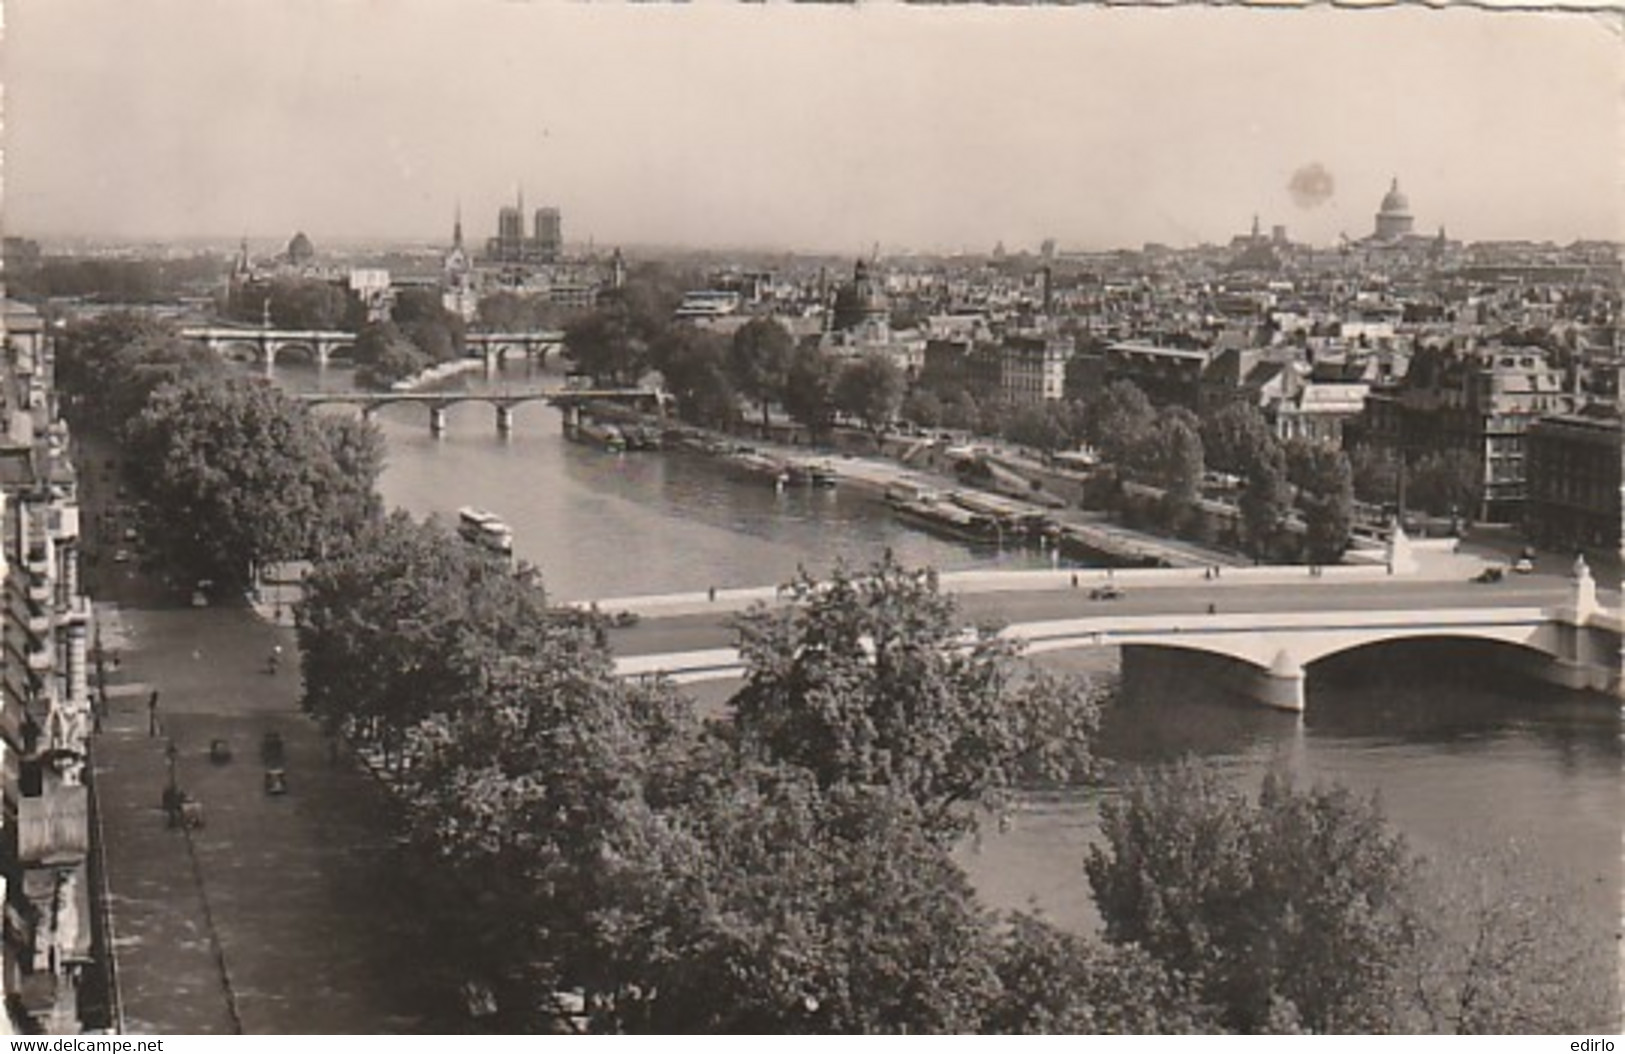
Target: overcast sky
821, 128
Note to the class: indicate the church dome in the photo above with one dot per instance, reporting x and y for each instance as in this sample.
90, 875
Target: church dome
300, 251
1395, 203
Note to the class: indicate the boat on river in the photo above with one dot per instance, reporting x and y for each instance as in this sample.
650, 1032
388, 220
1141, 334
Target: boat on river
809, 473
751, 464
485, 529
1016, 519
948, 520
600, 434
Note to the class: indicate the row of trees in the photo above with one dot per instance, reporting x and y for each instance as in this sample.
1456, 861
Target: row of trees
712, 376
790, 867
1278, 482
1439, 482
232, 473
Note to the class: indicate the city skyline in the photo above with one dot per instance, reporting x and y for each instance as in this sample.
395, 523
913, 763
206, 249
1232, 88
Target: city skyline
831, 130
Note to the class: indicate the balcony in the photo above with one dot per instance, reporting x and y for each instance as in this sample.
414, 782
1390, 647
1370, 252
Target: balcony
54, 828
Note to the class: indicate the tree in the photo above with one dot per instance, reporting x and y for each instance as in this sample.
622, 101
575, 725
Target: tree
1298, 909
1266, 500
1236, 437
1447, 482
608, 344
1117, 421
237, 475
759, 362
1325, 485
695, 365
1375, 474
960, 410
532, 793
1503, 952
811, 909
306, 303
1035, 426
923, 408
1054, 981
871, 680
403, 621
420, 316
809, 396
871, 390
383, 355
108, 366
1174, 457
509, 312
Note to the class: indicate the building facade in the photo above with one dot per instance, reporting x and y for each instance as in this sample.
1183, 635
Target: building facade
1032, 368
1481, 402
1573, 465
45, 707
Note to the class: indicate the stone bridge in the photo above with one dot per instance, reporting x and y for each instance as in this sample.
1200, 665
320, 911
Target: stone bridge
571, 401
264, 344
1266, 656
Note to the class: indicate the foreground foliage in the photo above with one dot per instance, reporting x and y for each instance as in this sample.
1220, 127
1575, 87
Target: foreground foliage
600, 858
238, 475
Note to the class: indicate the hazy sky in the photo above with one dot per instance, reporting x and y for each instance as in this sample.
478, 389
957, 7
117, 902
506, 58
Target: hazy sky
824, 127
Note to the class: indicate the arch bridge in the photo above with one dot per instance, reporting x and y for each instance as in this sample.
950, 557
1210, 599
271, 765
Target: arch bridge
1265, 656
571, 401
264, 344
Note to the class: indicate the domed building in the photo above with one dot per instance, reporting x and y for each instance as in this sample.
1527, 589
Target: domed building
1394, 219
300, 251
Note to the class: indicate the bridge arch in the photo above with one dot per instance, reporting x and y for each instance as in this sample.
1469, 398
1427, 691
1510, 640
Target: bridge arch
296, 350
341, 351
236, 350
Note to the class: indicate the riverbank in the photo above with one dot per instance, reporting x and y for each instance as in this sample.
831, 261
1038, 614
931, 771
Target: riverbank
281, 914
1087, 533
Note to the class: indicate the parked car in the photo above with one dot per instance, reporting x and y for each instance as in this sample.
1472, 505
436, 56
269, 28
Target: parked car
1524, 566
1106, 592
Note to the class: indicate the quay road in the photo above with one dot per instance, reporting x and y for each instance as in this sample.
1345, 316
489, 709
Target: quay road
691, 628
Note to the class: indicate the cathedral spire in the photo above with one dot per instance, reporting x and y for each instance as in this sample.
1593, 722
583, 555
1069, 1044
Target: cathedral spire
457, 227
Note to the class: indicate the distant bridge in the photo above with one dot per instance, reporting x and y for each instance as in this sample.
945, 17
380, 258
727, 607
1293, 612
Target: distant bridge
570, 400
265, 343
1265, 655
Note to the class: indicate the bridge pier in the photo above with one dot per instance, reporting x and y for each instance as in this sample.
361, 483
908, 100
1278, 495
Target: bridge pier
437, 420
1280, 686
504, 420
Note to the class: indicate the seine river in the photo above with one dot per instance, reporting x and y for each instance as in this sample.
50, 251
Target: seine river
1461, 765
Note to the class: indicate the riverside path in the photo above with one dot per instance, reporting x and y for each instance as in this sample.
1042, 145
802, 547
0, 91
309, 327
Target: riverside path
281, 914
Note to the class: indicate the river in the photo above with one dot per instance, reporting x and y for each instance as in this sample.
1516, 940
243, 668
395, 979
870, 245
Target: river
1462, 765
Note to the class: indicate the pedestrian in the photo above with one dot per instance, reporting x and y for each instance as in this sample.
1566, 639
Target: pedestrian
1074, 580
711, 594
152, 713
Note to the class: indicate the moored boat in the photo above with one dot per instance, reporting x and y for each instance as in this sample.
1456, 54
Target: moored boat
600, 433
948, 520
808, 473
758, 466
485, 529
